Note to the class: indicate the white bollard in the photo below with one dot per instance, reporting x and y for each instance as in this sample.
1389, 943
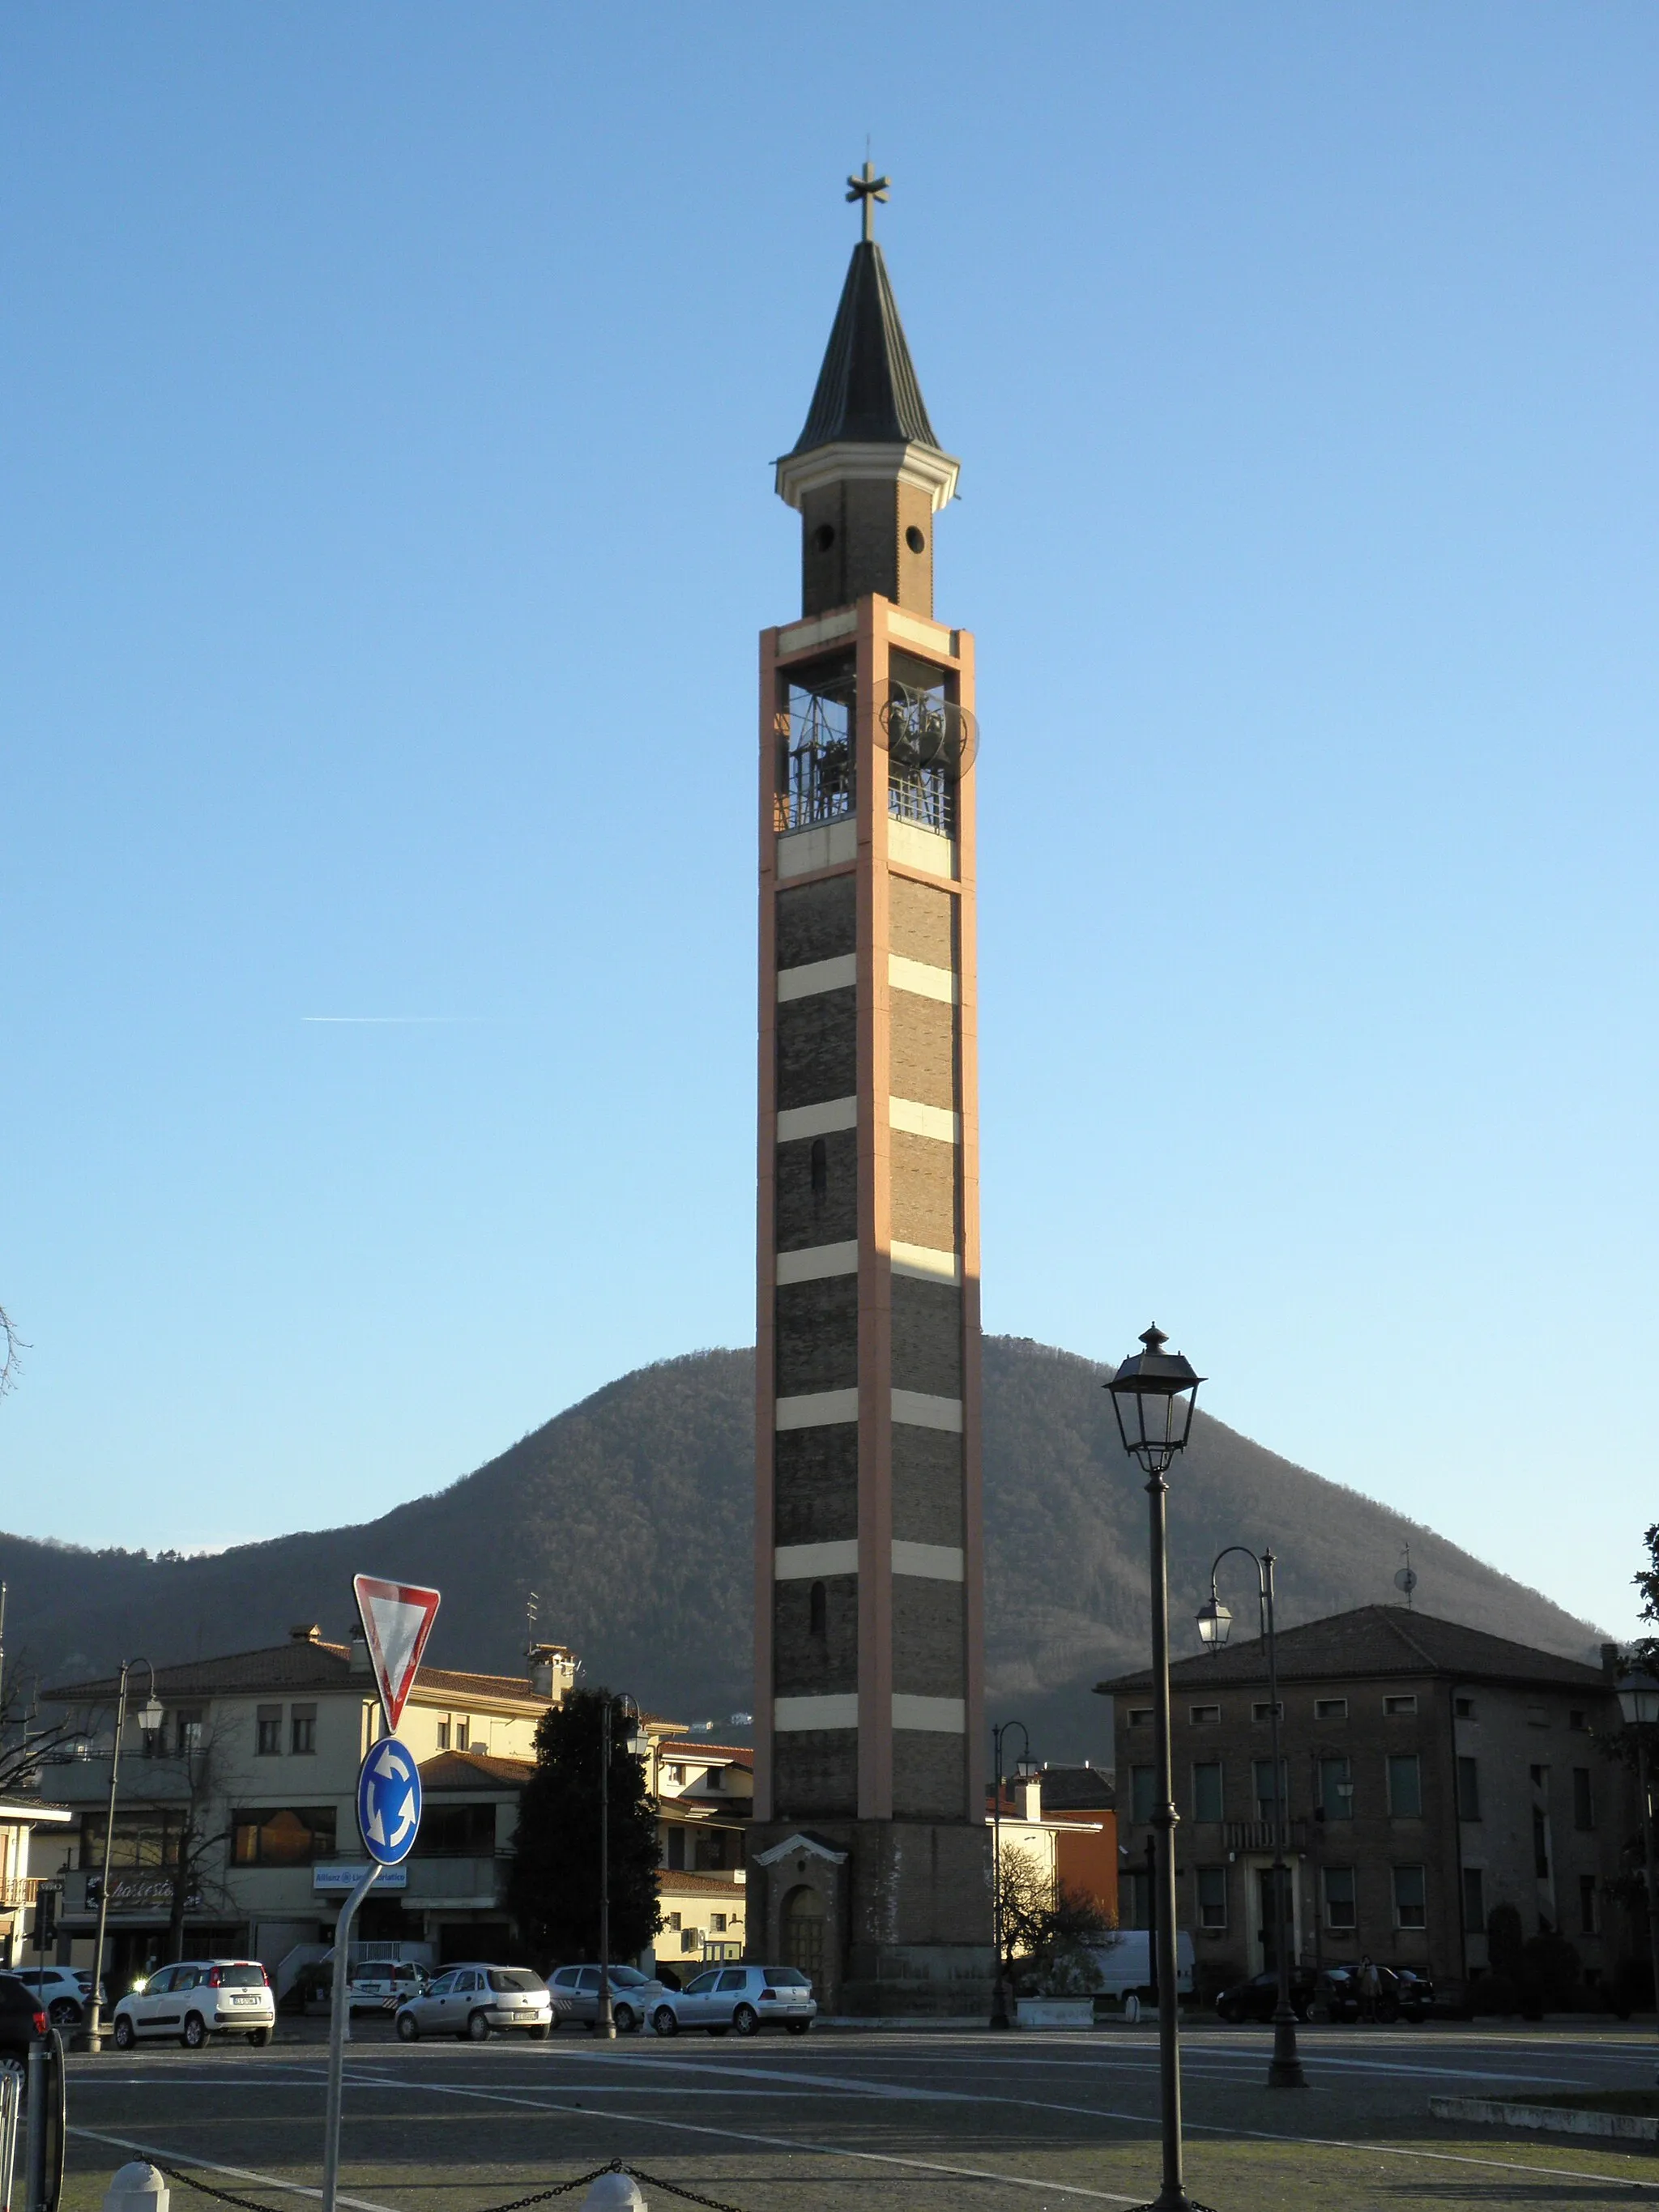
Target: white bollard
1132, 2010
136, 2188
614, 2192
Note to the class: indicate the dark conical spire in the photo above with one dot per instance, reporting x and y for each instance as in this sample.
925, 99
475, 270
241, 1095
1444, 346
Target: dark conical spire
867, 392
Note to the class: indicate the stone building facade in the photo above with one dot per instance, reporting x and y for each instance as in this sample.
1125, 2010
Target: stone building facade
1433, 1773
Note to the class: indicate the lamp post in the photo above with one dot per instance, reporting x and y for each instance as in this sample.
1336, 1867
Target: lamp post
1214, 1625
637, 1743
90, 2035
1638, 1701
1000, 2014
1152, 1396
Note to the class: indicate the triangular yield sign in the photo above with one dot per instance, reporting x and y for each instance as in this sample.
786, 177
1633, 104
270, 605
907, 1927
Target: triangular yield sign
397, 1620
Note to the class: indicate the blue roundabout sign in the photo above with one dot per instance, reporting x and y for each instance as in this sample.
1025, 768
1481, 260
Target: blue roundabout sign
389, 1801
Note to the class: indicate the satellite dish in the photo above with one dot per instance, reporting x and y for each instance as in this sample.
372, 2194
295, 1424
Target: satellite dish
1406, 1580
926, 731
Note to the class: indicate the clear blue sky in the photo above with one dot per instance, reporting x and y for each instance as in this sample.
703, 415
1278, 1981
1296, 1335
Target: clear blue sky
388, 396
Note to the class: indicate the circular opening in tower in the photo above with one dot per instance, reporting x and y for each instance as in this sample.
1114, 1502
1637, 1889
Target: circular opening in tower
914, 540
823, 536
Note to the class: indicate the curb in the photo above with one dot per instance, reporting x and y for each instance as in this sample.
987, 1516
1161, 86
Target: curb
1550, 2119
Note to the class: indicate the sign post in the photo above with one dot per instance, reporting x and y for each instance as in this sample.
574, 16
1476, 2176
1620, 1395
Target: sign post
397, 1620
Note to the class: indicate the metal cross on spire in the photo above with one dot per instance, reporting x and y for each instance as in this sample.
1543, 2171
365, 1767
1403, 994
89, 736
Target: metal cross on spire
868, 188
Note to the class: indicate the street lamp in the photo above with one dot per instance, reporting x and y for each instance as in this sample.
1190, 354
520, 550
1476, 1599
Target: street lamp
1152, 1395
90, 2035
1214, 1626
636, 1743
1638, 1701
1000, 2014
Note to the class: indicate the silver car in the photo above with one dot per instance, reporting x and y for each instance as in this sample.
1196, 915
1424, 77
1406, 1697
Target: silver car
576, 1993
741, 2000
478, 2001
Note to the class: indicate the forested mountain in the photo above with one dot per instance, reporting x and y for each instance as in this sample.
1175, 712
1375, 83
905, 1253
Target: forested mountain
630, 1515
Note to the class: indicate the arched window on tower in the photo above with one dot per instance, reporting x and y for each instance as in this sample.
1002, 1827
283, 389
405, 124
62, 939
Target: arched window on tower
820, 1174
817, 1611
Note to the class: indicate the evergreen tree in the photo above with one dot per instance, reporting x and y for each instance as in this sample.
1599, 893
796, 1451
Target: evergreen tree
553, 1888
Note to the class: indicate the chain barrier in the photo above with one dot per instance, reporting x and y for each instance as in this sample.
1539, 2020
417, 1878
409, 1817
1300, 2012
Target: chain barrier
514, 2204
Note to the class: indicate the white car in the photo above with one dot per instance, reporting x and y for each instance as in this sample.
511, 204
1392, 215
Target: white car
478, 2001
743, 1999
576, 1993
63, 1991
200, 1998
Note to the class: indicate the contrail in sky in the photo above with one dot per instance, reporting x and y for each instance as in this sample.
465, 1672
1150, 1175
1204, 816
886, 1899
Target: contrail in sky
404, 1020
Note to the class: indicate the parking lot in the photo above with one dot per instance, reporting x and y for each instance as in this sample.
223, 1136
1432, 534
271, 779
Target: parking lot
868, 2121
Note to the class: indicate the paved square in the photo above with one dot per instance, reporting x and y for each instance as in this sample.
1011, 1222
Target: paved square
870, 2121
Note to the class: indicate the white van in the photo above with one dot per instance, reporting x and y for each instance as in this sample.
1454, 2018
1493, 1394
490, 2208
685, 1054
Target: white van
1125, 1965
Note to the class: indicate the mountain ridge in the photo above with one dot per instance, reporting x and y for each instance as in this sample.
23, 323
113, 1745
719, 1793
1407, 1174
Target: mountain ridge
630, 1515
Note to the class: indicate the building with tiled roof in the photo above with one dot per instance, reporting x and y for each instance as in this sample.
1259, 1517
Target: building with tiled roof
1432, 1772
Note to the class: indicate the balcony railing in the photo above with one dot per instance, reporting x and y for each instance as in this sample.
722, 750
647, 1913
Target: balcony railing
1259, 1836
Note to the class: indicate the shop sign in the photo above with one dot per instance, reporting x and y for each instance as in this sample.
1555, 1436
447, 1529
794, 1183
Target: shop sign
139, 1893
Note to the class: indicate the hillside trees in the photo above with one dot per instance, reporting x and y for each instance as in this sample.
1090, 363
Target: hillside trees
553, 1886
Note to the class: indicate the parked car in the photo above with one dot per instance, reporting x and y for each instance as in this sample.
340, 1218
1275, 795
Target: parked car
743, 1999
23, 2020
195, 2000
64, 1989
576, 1993
1401, 1994
1258, 1998
386, 1983
478, 2001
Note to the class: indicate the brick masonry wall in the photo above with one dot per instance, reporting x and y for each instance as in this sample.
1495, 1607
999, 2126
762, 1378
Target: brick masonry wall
923, 1064
816, 1346
818, 1048
805, 1217
928, 1506
926, 1337
866, 522
924, 1191
818, 921
927, 1633
809, 1666
815, 1772
929, 1776
922, 923
816, 1484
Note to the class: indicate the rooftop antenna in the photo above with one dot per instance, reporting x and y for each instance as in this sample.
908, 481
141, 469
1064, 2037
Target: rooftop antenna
1406, 1579
533, 1605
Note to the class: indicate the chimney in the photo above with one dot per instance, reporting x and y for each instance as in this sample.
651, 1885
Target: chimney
359, 1662
1612, 1662
304, 1631
552, 1671
1029, 1787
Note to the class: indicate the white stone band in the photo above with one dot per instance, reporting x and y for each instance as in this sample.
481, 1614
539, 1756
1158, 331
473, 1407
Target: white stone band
832, 1712
819, 1260
820, 1121
804, 982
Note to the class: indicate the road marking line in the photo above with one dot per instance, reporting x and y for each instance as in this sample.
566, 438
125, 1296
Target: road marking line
237, 2172
772, 2142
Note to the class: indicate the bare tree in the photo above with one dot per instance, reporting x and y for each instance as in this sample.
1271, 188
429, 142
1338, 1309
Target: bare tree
1047, 1927
27, 1746
12, 1349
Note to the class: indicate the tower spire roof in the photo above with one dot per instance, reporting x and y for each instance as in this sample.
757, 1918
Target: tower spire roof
867, 390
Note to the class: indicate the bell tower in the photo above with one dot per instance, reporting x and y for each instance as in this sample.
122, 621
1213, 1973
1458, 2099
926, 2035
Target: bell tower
868, 1859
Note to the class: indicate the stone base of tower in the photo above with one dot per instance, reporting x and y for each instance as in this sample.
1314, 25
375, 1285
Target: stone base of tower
889, 1917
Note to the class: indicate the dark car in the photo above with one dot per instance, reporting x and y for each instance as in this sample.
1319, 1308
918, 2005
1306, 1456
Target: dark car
1401, 1994
1258, 1998
23, 2019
